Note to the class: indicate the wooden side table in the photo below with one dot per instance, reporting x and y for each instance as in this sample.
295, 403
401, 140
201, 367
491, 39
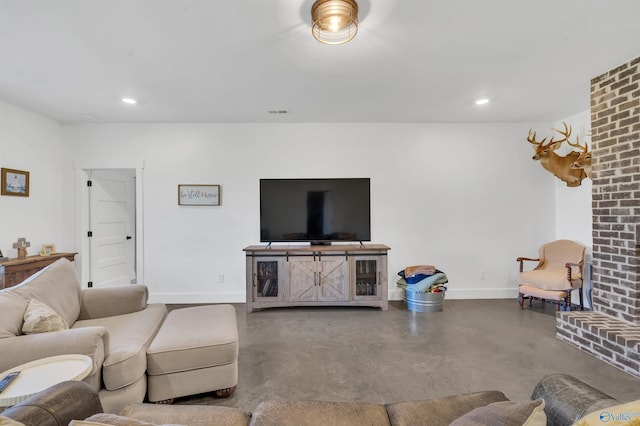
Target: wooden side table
14, 271
43, 373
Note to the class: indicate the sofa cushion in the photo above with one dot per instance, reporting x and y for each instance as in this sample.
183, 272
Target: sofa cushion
56, 286
40, 318
192, 415
6, 421
101, 419
440, 411
129, 338
294, 413
505, 413
12, 309
194, 338
548, 280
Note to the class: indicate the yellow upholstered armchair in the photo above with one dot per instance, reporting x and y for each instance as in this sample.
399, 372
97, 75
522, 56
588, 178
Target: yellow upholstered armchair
559, 271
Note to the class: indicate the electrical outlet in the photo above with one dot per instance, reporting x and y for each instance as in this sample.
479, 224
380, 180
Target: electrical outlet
220, 279
483, 275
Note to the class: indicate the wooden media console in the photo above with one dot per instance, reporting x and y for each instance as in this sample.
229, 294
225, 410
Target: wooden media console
310, 275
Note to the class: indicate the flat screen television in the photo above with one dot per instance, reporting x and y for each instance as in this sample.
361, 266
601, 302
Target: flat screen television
319, 211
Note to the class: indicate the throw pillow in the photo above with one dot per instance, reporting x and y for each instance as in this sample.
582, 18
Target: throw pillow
40, 318
627, 414
6, 421
505, 413
11, 314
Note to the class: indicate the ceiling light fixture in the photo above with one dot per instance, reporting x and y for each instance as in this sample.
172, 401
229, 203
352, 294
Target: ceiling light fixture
482, 101
334, 21
130, 101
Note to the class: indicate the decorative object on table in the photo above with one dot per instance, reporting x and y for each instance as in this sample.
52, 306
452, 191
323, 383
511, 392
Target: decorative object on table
14, 182
47, 249
198, 195
3, 258
423, 287
564, 168
22, 245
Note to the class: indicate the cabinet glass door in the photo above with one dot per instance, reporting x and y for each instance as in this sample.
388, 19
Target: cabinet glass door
367, 276
267, 283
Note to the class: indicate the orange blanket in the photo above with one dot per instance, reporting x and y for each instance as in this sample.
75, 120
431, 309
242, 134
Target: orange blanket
419, 269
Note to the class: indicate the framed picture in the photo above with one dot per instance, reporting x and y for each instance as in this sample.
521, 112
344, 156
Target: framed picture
15, 182
198, 195
48, 249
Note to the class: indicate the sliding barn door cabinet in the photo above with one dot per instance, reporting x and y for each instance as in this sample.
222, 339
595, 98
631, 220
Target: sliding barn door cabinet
306, 275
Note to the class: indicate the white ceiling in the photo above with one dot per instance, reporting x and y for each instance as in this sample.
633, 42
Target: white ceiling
233, 60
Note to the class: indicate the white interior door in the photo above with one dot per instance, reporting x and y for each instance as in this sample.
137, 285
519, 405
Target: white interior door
112, 226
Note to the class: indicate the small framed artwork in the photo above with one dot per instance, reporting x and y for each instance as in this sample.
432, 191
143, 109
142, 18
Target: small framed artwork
14, 182
48, 249
198, 195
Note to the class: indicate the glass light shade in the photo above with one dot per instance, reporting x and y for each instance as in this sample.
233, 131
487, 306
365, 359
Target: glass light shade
334, 21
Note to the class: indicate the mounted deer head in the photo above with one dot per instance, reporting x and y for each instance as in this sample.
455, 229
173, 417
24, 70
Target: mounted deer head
584, 159
559, 166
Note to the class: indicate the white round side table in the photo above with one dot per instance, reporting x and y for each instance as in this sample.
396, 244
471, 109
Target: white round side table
42, 373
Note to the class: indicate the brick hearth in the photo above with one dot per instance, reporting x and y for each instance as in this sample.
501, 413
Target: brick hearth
611, 331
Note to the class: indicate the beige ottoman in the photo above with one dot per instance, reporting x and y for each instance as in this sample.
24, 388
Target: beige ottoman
195, 351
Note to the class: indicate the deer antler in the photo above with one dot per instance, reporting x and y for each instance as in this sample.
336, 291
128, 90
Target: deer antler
583, 148
566, 133
531, 138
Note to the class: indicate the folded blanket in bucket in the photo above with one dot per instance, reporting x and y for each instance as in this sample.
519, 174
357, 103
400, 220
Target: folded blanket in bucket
423, 286
416, 273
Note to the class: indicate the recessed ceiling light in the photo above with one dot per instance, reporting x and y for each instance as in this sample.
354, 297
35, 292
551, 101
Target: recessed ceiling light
130, 101
482, 101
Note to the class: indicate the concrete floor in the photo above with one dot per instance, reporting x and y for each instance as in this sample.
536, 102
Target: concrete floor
364, 354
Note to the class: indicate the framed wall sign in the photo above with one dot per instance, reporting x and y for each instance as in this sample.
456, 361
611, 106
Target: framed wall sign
14, 182
199, 195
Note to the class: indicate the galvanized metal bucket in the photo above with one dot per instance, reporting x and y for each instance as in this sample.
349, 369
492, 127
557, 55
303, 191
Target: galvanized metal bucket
424, 302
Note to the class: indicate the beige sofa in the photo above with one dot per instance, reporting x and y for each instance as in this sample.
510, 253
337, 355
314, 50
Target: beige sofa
114, 326
557, 400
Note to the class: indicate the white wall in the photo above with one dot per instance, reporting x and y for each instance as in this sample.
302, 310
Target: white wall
574, 217
464, 197
33, 143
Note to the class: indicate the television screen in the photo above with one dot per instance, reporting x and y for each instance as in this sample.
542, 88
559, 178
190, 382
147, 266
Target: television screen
315, 210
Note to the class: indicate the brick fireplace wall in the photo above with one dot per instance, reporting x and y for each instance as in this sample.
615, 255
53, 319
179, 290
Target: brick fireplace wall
611, 331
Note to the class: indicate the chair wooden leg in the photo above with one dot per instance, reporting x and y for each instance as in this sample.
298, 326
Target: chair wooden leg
568, 301
530, 301
581, 299
521, 300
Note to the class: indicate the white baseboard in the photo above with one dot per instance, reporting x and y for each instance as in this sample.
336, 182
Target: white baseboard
394, 294
468, 293
188, 298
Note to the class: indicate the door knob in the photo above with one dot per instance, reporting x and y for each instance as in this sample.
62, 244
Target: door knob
128, 237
